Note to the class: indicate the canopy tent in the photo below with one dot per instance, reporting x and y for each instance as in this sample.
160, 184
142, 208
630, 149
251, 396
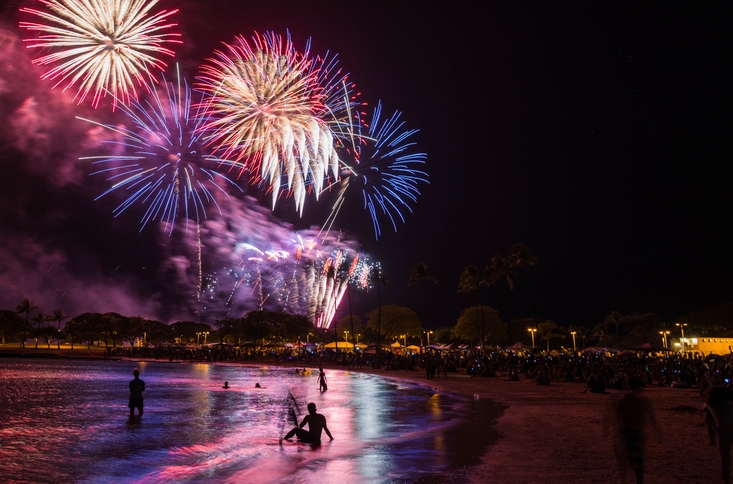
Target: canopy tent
519, 346
413, 348
599, 349
341, 344
646, 347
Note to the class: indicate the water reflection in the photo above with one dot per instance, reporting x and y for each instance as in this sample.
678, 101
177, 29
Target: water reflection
68, 423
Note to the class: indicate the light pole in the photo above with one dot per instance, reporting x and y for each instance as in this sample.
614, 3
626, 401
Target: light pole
357, 338
346, 335
664, 338
198, 335
682, 328
205, 333
575, 348
308, 338
428, 333
532, 331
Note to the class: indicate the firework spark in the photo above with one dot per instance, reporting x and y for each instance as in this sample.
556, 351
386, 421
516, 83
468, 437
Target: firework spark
301, 275
164, 164
279, 111
386, 167
100, 45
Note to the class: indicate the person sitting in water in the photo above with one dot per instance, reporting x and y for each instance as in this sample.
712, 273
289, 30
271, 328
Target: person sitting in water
316, 424
226, 385
257, 385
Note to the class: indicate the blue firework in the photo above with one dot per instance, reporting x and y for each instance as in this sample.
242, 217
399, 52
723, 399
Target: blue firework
387, 168
161, 161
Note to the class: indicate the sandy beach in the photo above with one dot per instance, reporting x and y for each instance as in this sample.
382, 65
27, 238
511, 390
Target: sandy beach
555, 433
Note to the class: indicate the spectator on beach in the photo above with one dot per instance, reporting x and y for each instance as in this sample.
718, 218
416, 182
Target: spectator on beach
316, 424
632, 415
137, 387
542, 379
719, 419
596, 384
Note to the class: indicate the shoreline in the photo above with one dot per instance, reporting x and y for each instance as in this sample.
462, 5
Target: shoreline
547, 433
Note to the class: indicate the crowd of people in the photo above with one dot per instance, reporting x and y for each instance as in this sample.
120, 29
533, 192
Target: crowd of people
598, 371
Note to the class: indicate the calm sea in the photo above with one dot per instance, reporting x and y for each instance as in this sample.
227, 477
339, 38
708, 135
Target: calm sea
67, 421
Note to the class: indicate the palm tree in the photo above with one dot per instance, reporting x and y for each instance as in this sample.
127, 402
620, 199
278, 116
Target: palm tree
26, 306
419, 274
547, 331
58, 316
615, 318
522, 258
470, 281
40, 318
502, 269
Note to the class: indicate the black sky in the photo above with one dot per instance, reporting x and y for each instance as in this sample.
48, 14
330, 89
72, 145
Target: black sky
597, 133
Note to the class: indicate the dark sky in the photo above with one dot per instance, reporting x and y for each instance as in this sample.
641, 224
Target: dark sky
597, 133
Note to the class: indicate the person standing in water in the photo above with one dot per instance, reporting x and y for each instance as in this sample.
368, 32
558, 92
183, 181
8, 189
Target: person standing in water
316, 424
322, 380
137, 387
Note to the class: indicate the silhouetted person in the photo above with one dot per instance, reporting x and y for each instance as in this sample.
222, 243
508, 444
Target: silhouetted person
257, 385
322, 380
226, 385
719, 409
316, 424
632, 415
137, 387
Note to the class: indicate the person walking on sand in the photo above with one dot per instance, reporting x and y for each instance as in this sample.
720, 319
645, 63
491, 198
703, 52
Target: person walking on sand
316, 424
719, 418
632, 415
137, 387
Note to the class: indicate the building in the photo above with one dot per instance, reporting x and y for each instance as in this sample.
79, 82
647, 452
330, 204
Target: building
715, 344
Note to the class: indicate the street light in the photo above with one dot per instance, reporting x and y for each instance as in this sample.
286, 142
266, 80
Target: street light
428, 333
533, 331
205, 333
575, 348
308, 337
357, 337
198, 335
346, 336
682, 328
664, 338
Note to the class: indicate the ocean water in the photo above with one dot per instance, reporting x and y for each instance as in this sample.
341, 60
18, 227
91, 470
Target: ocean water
68, 421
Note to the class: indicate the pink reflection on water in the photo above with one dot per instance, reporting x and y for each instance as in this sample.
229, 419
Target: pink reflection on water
193, 430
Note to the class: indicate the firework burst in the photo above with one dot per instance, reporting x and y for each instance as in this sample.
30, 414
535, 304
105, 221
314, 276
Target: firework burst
386, 168
278, 111
100, 45
305, 277
163, 164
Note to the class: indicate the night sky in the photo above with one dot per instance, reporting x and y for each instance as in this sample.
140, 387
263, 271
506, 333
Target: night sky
596, 133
